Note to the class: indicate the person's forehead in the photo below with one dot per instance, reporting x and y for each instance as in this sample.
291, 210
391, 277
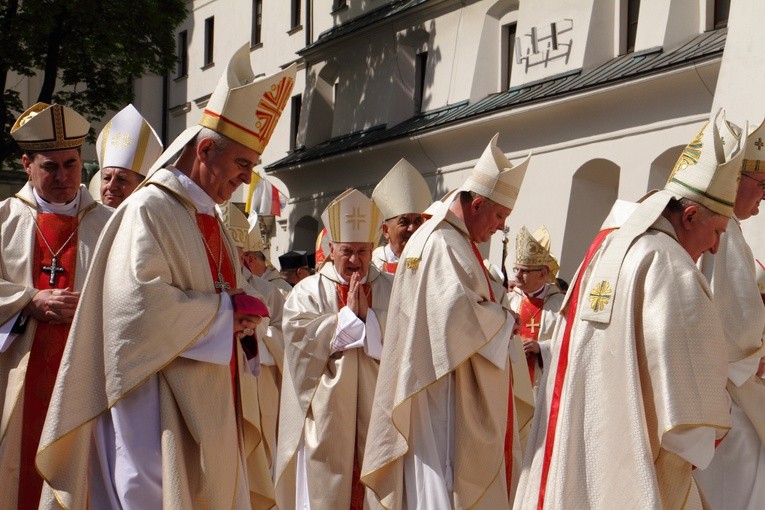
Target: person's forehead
238, 150
115, 170
352, 246
59, 155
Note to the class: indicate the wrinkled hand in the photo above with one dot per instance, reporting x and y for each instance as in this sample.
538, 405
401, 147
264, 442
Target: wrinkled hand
56, 306
244, 324
530, 346
357, 299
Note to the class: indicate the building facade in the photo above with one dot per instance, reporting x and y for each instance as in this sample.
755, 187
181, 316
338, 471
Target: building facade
605, 94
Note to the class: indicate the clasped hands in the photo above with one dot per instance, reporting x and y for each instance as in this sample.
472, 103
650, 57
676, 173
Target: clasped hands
56, 306
357, 298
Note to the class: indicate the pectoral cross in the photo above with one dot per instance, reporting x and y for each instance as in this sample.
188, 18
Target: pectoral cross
220, 284
533, 326
52, 269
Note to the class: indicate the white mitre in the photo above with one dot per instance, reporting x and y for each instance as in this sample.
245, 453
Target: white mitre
403, 190
128, 141
240, 108
754, 153
352, 218
50, 127
495, 178
703, 174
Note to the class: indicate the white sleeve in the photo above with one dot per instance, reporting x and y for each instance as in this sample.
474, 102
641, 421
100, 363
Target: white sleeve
696, 444
350, 331
545, 351
130, 438
740, 371
266, 358
497, 349
215, 344
6, 337
373, 340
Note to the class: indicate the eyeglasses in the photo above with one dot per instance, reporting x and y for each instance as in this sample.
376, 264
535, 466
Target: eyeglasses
519, 270
760, 183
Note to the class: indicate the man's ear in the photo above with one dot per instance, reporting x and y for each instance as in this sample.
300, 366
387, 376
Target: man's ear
689, 215
203, 149
477, 203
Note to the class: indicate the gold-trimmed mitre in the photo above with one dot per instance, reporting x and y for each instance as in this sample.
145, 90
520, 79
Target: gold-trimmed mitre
236, 223
352, 218
534, 250
50, 127
704, 173
240, 108
128, 141
495, 178
754, 150
403, 190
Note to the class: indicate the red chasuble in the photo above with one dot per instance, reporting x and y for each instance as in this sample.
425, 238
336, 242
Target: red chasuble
530, 316
210, 229
560, 373
357, 488
47, 346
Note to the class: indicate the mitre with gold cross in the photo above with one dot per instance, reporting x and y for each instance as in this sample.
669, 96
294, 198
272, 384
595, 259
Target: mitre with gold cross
534, 250
128, 141
241, 108
754, 150
352, 218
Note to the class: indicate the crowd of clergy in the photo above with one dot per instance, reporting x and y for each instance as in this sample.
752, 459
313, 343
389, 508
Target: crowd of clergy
151, 356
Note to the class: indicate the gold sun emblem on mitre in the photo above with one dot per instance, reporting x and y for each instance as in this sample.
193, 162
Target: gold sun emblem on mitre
600, 296
690, 155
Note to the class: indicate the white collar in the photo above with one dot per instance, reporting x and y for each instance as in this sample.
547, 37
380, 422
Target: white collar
201, 200
68, 209
537, 294
389, 255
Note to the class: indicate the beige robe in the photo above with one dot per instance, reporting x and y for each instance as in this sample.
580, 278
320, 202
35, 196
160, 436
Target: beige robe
17, 243
269, 380
148, 298
441, 317
736, 476
653, 375
326, 398
273, 277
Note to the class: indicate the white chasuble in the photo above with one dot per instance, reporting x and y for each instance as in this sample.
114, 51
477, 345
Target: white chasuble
330, 372
736, 476
147, 326
17, 244
440, 411
642, 398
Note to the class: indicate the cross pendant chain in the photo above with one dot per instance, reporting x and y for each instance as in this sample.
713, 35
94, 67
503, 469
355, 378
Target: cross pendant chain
221, 284
52, 270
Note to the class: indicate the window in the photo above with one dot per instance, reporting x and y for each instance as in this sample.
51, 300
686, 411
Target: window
633, 9
183, 54
209, 39
295, 13
508, 53
257, 22
722, 9
421, 65
339, 4
297, 103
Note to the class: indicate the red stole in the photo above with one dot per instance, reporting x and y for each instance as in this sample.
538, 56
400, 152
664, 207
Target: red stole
357, 488
531, 318
47, 348
508, 443
560, 373
210, 229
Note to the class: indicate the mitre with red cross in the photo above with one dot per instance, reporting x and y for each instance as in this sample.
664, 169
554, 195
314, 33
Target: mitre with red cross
241, 108
352, 218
